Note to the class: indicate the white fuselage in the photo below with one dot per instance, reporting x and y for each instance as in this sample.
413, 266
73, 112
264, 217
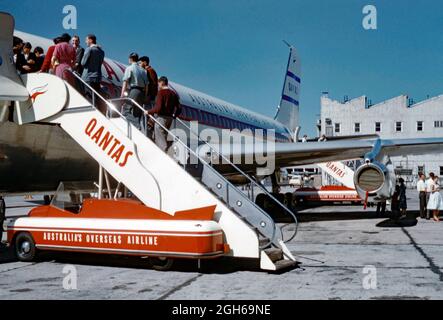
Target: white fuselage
208, 111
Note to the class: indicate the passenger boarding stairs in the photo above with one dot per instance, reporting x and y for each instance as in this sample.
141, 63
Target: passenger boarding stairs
157, 179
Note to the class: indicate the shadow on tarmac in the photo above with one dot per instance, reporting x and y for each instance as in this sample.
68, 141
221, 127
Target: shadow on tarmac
358, 214
223, 265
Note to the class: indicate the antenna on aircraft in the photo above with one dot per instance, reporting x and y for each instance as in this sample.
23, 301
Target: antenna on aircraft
288, 44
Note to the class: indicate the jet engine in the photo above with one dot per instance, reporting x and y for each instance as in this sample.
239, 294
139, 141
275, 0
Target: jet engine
375, 181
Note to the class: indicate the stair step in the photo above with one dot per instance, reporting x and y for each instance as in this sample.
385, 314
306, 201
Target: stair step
263, 241
284, 264
274, 254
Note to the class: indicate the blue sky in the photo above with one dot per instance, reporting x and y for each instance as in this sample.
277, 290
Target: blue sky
233, 49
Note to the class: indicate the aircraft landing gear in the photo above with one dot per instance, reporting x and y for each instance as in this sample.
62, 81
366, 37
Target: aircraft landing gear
274, 209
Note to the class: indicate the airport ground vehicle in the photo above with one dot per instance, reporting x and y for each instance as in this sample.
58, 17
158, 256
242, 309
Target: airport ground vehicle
327, 194
174, 182
75, 221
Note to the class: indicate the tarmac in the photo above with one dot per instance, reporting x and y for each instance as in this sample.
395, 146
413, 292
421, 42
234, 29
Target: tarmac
344, 252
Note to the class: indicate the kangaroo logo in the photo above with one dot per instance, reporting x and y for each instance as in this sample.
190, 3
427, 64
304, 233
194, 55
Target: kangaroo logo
38, 92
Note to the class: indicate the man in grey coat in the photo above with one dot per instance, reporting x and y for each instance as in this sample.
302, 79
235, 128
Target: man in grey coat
135, 84
92, 62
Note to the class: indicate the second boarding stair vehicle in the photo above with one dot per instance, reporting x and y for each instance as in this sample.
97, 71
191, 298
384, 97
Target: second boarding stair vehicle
172, 185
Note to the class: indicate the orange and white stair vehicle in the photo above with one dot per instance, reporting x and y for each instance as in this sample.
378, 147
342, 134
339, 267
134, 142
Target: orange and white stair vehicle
124, 227
180, 213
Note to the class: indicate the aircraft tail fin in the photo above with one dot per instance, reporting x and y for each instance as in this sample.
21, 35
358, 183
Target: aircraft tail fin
288, 110
11, 86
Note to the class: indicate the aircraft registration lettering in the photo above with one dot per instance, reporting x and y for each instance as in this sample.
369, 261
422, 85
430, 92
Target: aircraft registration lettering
108, 143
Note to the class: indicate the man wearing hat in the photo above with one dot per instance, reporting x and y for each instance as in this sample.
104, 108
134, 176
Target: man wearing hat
135, 82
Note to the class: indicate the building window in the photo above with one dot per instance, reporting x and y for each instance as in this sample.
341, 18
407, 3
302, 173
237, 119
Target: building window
399, 126
357, 127
328, 122
441, 171
419, 126
421, 169
337, 128
378, 127
438, 124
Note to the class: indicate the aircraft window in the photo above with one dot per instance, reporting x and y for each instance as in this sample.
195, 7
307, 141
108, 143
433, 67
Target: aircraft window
189, 112
224, 122
209, 118
217, 122
198, 115
205, 117
213, 119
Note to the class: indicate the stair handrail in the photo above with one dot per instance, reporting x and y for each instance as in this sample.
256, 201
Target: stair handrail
113, 108
260, 186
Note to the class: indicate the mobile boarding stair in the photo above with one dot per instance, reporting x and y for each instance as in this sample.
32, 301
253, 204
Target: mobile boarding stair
155, 178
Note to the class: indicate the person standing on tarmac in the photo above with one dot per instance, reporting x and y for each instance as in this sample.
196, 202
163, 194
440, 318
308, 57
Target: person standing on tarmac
430, 184
422, 188
135, 82
402, 198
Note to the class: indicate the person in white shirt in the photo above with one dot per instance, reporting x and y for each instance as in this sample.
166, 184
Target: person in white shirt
435, 203
422, 194
429, 187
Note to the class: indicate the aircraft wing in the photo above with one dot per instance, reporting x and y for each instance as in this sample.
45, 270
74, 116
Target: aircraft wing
317, 152
296, 154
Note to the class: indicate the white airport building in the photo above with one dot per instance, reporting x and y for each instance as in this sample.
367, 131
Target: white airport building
397, 118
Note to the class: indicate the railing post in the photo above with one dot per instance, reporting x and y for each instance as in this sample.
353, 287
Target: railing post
100, 183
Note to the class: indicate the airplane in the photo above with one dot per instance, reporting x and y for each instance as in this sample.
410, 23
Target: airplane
36, 157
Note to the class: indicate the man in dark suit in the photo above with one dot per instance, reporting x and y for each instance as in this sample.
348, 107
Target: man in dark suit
79, 53
26, 60
40, 57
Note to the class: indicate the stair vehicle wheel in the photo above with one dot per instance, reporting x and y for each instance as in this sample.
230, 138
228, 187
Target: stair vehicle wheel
161, 263
2, 206
25, 247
